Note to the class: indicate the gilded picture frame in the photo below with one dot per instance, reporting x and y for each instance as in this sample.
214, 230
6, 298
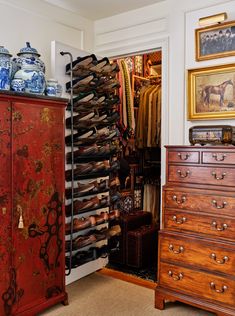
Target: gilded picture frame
215, 41
211, 93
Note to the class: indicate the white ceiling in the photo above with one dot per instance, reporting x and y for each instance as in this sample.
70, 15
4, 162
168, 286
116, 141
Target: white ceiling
98, 9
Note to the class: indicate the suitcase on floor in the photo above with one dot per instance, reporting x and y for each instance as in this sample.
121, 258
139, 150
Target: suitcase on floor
142, 247
128, 222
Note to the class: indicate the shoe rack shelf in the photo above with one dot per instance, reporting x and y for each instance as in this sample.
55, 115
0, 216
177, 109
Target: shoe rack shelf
91, 118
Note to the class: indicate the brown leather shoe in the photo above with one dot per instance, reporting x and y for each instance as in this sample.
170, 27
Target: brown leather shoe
82, 241
78, 224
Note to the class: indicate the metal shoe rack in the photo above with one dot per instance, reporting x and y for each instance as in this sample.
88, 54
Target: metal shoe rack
92, 146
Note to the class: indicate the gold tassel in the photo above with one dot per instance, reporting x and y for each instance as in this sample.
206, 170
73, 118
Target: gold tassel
21, 222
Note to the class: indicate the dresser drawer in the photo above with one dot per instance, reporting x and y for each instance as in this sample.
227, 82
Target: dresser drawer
200, 201
218, 157
183, 156
206, 254
202, 284
202, 175
215, 226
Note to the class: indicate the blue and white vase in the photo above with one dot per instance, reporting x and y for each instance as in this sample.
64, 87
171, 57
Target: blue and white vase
53, 88
28, 52
33, 77
5, 68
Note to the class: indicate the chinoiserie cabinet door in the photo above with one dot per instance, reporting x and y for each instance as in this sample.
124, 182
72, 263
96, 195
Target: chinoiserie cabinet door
38, 190
7, 275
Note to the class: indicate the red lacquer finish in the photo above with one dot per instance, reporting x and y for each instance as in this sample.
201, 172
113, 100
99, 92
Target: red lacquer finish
34, 182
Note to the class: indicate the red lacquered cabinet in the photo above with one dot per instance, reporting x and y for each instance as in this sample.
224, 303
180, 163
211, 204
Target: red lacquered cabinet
32, 267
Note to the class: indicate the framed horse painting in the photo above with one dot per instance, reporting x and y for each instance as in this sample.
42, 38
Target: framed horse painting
215, 41
211, 93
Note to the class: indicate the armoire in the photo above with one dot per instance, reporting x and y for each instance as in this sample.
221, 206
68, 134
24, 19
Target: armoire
31, 203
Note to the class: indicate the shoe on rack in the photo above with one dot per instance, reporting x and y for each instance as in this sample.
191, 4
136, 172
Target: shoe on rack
100, 64
114, 214
84, 83
81, 62
115, 197
78, 224
82, 241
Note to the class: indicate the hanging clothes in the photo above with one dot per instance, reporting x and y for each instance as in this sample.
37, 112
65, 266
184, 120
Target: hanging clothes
148, 130
127, 97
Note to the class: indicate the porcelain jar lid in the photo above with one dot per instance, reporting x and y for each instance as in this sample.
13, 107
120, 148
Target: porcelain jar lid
28, 50
4, 51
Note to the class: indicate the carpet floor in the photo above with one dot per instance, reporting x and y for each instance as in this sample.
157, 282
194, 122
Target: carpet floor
99, 295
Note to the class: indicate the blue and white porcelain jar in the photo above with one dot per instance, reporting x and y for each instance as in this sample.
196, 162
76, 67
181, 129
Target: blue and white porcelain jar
33, 77
28, 52
53, 88
18, 85
5, 68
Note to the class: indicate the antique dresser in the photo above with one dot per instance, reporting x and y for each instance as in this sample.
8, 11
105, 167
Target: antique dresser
197, 238
31, 203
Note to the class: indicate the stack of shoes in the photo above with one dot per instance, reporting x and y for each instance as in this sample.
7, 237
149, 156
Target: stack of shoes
95, 142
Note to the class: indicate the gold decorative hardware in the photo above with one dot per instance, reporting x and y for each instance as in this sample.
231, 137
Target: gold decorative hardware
183, 156
4, 210
223, 288
214, 203
179, 221
213, 19
218, 178
223, 261
21, 222
175, 277
171, 248
183, 175
219, 158
214, 225
181, 201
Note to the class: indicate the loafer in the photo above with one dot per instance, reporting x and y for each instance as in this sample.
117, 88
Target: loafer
82, 241
100, 64
81, 62
82, 189
78, 224
82, 84
113, 231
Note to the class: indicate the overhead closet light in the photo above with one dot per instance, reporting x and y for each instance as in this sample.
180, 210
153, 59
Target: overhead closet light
213, 19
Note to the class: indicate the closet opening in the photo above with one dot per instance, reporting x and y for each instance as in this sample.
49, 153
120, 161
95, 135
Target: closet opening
139, 177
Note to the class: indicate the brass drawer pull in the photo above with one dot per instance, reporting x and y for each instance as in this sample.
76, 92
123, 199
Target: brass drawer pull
174, 276
214, 174
223, 288
221, 228
179, 221
222, 157
183, 175
214, 203
181, 201
183, 156
171, 248
223, 261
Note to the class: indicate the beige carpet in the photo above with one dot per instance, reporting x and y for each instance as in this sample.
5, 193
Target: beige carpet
99, 295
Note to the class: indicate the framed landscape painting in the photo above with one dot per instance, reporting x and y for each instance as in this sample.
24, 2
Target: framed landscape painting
211, 93
215, 41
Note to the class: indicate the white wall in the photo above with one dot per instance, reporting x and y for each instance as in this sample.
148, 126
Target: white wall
148, 28
40, 23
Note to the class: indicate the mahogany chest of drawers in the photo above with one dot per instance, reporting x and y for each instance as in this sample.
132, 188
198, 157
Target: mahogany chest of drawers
197, 240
